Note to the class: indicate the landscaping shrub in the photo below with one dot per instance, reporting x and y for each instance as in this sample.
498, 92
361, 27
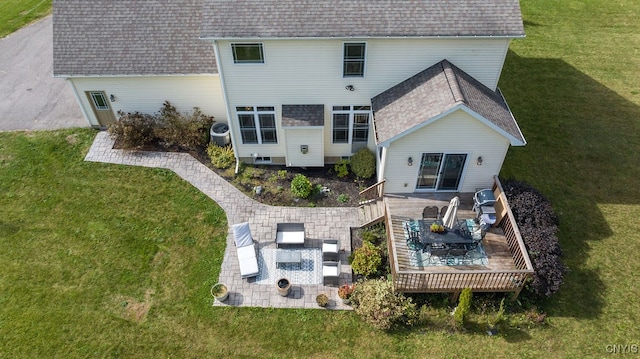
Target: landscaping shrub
538, 226
221, 157
374, 234
188, 131
363, 163
377, 302
342, 198
366, 259
464, 306
133, 130
301, 186
169, 129
342, 168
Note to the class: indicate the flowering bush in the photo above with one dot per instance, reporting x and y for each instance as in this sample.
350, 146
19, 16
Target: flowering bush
346, 290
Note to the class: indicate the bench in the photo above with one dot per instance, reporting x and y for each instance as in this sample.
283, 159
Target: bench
289, 233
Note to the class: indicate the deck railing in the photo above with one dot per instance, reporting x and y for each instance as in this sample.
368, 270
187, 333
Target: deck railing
485, 280
372, 193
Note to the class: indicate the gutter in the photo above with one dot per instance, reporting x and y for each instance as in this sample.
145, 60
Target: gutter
133, 75
249, 38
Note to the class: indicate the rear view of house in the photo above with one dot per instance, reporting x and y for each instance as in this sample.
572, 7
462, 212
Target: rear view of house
307, 83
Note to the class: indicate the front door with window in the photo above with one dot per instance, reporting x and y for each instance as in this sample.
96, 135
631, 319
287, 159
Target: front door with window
101, 108
440, 171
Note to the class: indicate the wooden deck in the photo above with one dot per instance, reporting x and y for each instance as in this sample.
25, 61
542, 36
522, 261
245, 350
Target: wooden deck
508, 263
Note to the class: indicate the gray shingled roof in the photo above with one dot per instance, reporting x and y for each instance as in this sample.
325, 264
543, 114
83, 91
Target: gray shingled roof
302, 115
432, 92
140, 37
360, 18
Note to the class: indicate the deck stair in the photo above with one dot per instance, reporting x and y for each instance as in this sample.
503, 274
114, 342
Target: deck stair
371, 212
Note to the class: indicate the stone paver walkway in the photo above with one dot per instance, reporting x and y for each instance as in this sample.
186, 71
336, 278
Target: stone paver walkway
320, 223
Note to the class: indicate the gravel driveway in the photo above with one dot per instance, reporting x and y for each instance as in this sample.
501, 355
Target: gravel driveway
30, 98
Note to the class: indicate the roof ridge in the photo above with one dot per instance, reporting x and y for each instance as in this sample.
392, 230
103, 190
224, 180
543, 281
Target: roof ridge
452, 81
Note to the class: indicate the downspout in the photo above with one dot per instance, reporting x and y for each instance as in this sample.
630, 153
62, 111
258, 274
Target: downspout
382, 162
226, 104
75, 93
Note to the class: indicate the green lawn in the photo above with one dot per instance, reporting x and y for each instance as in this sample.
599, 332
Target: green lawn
112, 261
14, 14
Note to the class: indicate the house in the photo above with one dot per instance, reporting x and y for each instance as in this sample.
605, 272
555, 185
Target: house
308, 82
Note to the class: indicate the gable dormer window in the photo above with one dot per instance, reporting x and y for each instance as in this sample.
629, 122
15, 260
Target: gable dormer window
353, 59
247, 53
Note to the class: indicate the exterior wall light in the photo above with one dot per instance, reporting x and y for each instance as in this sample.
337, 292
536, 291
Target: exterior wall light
410, 161
479, 161
350, 88
304, 149
112, 97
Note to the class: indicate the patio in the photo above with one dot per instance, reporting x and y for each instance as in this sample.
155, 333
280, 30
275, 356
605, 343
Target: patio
320, 224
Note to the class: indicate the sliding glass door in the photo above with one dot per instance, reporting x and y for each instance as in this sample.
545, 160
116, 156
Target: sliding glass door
440, 171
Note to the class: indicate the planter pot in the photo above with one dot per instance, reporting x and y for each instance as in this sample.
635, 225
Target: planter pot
220, 292
284, 286
346, 300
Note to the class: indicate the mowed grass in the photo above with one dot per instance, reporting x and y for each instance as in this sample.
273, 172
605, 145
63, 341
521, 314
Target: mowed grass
112, 261
14, 14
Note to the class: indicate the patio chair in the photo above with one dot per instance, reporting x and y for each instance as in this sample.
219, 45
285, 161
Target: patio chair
330, 272
246, 250
430, 213
330, 249
443, 210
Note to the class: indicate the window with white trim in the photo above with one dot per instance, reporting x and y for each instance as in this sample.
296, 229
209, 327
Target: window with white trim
247, 53
353, 59
257, 124
99, 100
351, 124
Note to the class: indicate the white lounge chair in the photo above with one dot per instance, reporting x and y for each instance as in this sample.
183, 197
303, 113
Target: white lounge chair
246, 250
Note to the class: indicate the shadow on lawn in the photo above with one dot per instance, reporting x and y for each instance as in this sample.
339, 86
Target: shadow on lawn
582, 152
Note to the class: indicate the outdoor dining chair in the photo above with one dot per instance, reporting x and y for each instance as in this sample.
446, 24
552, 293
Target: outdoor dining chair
430, 213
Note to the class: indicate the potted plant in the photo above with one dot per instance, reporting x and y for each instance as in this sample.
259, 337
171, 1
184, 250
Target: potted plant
220, 292
283, 286
345, 291
322, 300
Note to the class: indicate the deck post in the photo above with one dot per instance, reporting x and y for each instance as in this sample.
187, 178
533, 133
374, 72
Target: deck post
454, 297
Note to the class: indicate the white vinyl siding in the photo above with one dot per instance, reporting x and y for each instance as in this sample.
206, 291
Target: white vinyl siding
146, 94
310, 71
313, 138
458, 133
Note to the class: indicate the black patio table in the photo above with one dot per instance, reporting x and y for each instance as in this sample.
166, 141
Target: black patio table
450, 236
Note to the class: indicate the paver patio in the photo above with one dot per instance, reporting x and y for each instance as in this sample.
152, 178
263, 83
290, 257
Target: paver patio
320, 223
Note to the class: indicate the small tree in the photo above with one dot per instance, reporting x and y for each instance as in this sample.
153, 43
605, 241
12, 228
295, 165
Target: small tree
378, 304
363, 163
464, 306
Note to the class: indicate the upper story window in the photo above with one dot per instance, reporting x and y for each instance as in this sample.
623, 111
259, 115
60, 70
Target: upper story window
353, 59
351, 124
247, 53
257, 124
